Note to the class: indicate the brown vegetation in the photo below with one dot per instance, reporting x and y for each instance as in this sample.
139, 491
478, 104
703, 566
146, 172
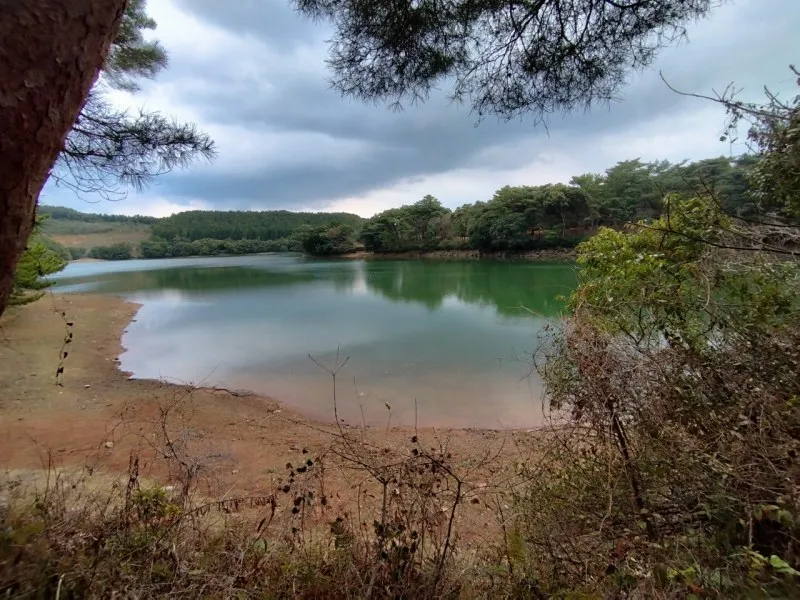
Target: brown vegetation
106, 238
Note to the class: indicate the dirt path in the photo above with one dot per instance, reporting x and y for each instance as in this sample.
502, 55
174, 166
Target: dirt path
239, 444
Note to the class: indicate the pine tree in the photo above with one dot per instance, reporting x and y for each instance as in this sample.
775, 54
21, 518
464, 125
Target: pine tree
51, 52
42, 257
109, 150
506, 57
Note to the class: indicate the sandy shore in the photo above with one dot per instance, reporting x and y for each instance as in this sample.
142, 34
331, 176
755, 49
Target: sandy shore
97, 417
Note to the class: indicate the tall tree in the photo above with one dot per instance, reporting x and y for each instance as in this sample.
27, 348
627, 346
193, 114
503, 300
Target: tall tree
508, 57
131, 56
110, 150
51, 52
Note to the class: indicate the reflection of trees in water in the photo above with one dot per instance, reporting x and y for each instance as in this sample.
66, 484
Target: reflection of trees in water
344, 276
506, 286
195, 279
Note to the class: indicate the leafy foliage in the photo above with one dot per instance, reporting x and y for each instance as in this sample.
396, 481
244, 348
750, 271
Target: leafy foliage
507, 58
42, 257
675, 385
517, 219
160, 248
118, 251
633, 190
76, 252
335, 238
417, 226
775, 134
679, 367
524, 218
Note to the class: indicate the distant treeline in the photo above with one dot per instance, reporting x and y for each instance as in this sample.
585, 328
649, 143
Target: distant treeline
515, 219
61, 213
241, 225
159, 248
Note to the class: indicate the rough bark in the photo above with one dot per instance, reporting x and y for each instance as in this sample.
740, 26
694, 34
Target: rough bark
51, 52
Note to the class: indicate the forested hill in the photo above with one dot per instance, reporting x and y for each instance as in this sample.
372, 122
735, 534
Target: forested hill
240, 225
184, 234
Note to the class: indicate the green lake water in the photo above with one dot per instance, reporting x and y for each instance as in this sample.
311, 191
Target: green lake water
448, 343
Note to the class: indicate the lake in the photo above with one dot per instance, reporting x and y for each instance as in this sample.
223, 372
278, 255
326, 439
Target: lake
445, 343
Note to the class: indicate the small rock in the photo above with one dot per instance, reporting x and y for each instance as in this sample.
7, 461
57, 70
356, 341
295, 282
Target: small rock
109, 444
235, 471
87, 386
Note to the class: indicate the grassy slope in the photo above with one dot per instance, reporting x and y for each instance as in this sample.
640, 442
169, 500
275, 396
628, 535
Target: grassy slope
76, 229
86, 234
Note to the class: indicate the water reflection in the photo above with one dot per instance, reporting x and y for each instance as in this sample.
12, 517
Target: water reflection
451, 335
511, 288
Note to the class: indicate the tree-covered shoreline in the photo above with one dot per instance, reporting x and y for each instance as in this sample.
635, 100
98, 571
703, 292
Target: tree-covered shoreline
516, 221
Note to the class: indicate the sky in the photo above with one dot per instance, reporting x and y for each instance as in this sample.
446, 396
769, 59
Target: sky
252, 74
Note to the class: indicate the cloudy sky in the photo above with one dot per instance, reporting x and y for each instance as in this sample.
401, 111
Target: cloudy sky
251, 73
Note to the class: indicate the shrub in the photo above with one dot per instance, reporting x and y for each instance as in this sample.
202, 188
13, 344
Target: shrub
76, 253
42, 257
678, 376
118, 251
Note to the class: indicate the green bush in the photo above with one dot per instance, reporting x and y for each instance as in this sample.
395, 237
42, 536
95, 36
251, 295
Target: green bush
678, 377
160, 248
76, 253
327, 240
119, 251
42, 257
454, 244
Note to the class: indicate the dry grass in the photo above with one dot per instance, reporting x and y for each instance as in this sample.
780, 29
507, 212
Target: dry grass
88, 234
90, 240
80, 533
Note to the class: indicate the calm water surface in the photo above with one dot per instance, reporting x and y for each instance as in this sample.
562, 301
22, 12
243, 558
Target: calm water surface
454, 337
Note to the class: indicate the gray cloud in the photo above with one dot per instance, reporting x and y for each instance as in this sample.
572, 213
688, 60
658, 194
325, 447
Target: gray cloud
275, 22
283, 95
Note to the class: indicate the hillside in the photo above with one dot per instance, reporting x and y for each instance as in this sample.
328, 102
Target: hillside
82, 232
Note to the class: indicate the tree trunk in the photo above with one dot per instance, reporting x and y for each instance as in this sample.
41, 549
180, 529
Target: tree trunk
51, 52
